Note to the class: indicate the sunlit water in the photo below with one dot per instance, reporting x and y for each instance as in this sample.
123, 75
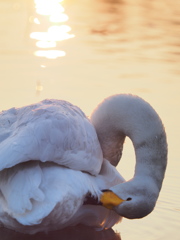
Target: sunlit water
85, 50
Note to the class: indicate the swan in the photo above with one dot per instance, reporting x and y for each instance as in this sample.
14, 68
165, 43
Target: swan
58, 168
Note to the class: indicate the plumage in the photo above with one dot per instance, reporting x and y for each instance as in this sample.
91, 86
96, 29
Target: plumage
51, 130
52, 157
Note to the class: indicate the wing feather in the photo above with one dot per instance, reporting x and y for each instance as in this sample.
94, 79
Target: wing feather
51, 130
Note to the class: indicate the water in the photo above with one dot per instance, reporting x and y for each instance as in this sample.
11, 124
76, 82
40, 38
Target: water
106, 47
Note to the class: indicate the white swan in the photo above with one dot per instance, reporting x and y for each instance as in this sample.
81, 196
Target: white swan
52, 170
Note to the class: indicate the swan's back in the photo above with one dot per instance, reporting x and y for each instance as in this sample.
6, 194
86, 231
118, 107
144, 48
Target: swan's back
52, 130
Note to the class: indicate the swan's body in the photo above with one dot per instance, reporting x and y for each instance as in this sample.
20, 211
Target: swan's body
51, 159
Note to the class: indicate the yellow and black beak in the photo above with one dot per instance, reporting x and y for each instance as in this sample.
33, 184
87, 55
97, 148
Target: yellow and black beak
108, 199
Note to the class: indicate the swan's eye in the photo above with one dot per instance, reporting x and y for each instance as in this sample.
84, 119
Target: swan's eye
106, 190
128, 199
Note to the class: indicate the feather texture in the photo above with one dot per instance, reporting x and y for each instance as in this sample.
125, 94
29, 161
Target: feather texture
51, 130
50, 159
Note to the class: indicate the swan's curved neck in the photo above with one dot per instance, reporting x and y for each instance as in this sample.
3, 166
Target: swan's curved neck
126, 115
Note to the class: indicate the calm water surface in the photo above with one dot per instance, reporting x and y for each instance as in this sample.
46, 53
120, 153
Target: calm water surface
85, 50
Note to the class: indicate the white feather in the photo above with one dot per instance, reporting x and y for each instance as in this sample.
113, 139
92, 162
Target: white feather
51, 130
50, 159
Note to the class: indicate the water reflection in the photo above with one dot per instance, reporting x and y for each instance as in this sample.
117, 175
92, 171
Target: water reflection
39, 87
51, 54
71, 233
121, 46
48, 7
149, 30
54, 11
53, 34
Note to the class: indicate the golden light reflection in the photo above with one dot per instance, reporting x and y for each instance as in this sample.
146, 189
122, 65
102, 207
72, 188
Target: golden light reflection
45, 44
48, 7
39, 88
50, 54
55, 33
36, 20
59, 18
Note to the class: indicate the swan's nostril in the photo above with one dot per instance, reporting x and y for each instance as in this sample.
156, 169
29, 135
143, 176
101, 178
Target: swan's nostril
128, 199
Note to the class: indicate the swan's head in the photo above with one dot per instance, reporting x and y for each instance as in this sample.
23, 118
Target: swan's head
132, 199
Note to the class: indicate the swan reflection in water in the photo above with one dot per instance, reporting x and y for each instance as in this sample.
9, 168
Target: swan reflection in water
71, 233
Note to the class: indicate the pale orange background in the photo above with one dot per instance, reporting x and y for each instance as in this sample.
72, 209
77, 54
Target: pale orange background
129, 46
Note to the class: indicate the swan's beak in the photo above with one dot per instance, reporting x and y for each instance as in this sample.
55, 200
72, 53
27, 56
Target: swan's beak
110, 200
